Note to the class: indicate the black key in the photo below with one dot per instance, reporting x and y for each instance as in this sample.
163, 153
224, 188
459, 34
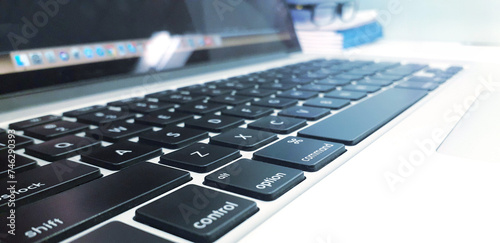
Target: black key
61, 148
375, 82
350, 77
333, 81
234, 86
147, 106
161, 94
317, 87
244, 139
297, 94
231, 99
173, 137
259, 93
300, 153
361, 88
34, 122
316, 75
277, 103
181, 99
121, 155
200, 157
278, 86
162, 118
327, 103
213, 123
248, 112
14, 141
296, 81
278, 124
119, 232
191, 87
418, 85
426, 79
255, 179
308, 113
94, 202
55, 129
386, 76
48, 180
85, 110
20, 163
210, 92
200, 108
116, 131
352, 125
125, 102
196, 213
400, 71
362, 72
344, 94
105, 116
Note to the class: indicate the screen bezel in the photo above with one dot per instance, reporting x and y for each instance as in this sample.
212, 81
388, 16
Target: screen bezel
57, 78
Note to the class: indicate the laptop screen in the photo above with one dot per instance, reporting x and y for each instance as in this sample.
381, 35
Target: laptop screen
54, 42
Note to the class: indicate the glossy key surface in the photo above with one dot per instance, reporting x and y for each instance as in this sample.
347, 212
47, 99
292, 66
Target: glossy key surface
216, 213
82, 207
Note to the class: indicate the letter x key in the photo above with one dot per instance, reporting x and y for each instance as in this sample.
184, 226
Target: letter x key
243, 139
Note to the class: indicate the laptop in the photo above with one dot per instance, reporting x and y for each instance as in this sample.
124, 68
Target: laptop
202, 121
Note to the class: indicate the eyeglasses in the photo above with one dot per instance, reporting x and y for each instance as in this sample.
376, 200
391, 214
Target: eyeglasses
325, 13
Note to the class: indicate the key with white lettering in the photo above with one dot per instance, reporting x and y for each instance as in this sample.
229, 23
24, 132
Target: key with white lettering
200, 108
248, 112
55, 129
200, 157
214, 123
162, 118
117, 131
305, 112
69, 212
105, 116
196, 213
243, 139
300, 153
255, 179
34, 122
84, 110
173, 137
61, 148
121, 155
41, 182
278, 124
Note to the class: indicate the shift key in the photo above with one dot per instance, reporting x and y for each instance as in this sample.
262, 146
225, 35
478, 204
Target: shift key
72, 211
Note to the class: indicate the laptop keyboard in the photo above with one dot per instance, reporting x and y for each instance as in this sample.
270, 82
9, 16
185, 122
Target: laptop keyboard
238, 115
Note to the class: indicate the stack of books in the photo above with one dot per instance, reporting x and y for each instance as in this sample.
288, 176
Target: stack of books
337, 36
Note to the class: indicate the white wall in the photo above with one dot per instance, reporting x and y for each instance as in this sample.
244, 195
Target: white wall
467, 21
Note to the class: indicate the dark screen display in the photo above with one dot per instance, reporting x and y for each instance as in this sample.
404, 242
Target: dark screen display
52, 42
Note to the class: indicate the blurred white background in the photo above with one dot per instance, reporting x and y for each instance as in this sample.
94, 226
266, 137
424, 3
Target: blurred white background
475, 22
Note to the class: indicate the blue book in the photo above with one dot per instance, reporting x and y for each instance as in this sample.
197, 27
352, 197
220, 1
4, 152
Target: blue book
361, 35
